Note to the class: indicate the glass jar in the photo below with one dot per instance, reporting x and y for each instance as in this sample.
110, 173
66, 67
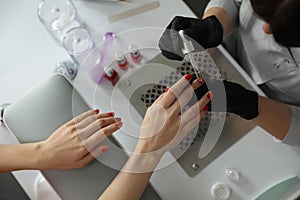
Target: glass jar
58, 17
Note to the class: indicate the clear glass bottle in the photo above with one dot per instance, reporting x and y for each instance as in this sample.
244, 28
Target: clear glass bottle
58, 17
81, 47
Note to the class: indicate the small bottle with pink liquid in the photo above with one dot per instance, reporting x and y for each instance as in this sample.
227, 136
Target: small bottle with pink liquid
135, 53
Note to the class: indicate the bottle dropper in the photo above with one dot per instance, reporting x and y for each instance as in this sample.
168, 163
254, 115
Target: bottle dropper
187, 50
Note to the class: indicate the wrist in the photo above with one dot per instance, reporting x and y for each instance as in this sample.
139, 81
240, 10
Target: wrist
30, 157
147, 147
216, 29
145, 162
241, 101
251, 106
18, 157
41, 156
222, 16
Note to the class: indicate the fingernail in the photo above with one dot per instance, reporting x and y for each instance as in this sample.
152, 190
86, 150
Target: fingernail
205, 108
188, 77
118, 119
210, 95
111, 114
104, 149
96, 111
201, 80
167, 89
120, 124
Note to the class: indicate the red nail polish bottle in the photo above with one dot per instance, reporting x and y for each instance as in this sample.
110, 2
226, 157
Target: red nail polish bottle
135, 54
121, 61
111, 75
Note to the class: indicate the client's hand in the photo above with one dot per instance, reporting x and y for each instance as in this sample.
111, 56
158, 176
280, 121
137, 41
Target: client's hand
165, 123
76, 143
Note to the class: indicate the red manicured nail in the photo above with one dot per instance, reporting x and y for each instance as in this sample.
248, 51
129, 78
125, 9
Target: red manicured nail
111, 114
104, 149
205, 108
96, 111
120, 124
201, 80
167, 89
188, 77
209, 95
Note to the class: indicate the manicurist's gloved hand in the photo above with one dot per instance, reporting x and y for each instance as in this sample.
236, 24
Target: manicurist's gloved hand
207, 32
240, 101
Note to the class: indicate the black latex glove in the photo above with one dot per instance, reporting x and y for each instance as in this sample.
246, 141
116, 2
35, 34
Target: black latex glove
206, 33
240, 101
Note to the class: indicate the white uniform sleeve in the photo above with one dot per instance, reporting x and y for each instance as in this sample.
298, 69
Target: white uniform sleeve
293, 134
232, 8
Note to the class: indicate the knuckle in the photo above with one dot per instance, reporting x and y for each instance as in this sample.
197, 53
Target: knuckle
173, 95
174, 112
105, 131
191, 111
69, 123
65, 127
101, 123
82, 150
175, 92
195, 110
185, 99
91, 119
74, 138
71, 129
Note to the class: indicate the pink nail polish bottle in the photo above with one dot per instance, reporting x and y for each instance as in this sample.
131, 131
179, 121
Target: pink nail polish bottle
121, 61
135, 53
111, 75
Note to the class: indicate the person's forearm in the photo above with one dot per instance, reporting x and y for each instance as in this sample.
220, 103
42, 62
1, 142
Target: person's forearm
18, 157
127, 186
274, 117
131, 182
222, 16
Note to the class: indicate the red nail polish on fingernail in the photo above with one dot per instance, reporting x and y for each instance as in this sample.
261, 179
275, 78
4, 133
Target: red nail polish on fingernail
111, 114
205, 108
167, 89
209, 95
120, 124
96, 111
188, 77
104, 149
201, 80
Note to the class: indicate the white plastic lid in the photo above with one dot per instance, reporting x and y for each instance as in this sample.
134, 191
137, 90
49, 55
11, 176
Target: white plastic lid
220, 191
